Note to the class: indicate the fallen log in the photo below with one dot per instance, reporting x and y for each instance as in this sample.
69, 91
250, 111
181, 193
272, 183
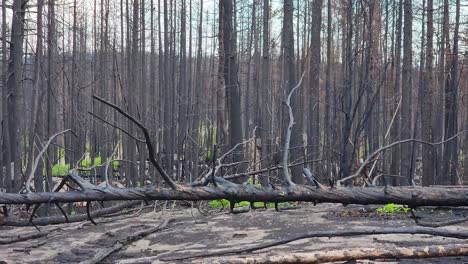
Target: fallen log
104, 253
435, 251
20, 238
460, 234
407, 195
60, 219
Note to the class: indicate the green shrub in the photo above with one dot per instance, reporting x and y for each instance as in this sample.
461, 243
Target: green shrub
209, 155
115, 164
60, 170
392, 208
85, 163
223, 203
98, 161
251, 182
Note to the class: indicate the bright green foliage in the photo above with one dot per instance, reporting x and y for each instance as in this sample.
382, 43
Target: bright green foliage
61, 155
219, 203
250, 181
85, 163
209, 155
98, 161
223, 203
115, 164
392, 208
60, 170
362, 151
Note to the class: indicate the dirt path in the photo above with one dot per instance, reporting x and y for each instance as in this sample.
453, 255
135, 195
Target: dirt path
192, 233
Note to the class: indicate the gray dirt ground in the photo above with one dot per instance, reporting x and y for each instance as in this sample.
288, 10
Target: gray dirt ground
192, 233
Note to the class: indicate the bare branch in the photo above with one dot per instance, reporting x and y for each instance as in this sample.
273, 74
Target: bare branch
148, 142
287, 175
371, 156
214, 171
117, 127
110, 161
386, 135
38, 157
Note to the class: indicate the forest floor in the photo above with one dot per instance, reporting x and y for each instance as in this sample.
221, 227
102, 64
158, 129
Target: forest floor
190, 232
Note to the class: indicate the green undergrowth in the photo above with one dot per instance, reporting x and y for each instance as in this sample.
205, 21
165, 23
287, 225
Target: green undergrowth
392, 208
223, 203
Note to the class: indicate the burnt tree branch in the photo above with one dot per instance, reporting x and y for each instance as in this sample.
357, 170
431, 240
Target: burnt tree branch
149, 144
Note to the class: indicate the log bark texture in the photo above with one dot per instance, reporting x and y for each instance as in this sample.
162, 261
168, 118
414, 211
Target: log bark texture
354, 254
411, 196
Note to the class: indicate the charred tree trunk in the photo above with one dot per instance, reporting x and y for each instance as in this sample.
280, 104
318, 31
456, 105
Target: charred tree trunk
230, 68
313, 137
15, 93
407, 84
289, 82
426, 106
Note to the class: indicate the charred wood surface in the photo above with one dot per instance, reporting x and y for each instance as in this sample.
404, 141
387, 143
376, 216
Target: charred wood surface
411, 196
355, 254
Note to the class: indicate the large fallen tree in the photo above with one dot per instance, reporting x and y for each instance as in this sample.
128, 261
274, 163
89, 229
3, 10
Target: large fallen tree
221, 188
410, 196
351, 254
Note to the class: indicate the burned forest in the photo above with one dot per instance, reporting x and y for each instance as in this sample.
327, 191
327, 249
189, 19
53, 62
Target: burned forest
234, 131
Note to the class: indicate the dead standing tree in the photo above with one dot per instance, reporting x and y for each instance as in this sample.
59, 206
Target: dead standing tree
411, 196
223, 189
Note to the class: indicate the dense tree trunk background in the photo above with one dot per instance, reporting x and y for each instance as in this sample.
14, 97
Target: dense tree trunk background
203, 76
